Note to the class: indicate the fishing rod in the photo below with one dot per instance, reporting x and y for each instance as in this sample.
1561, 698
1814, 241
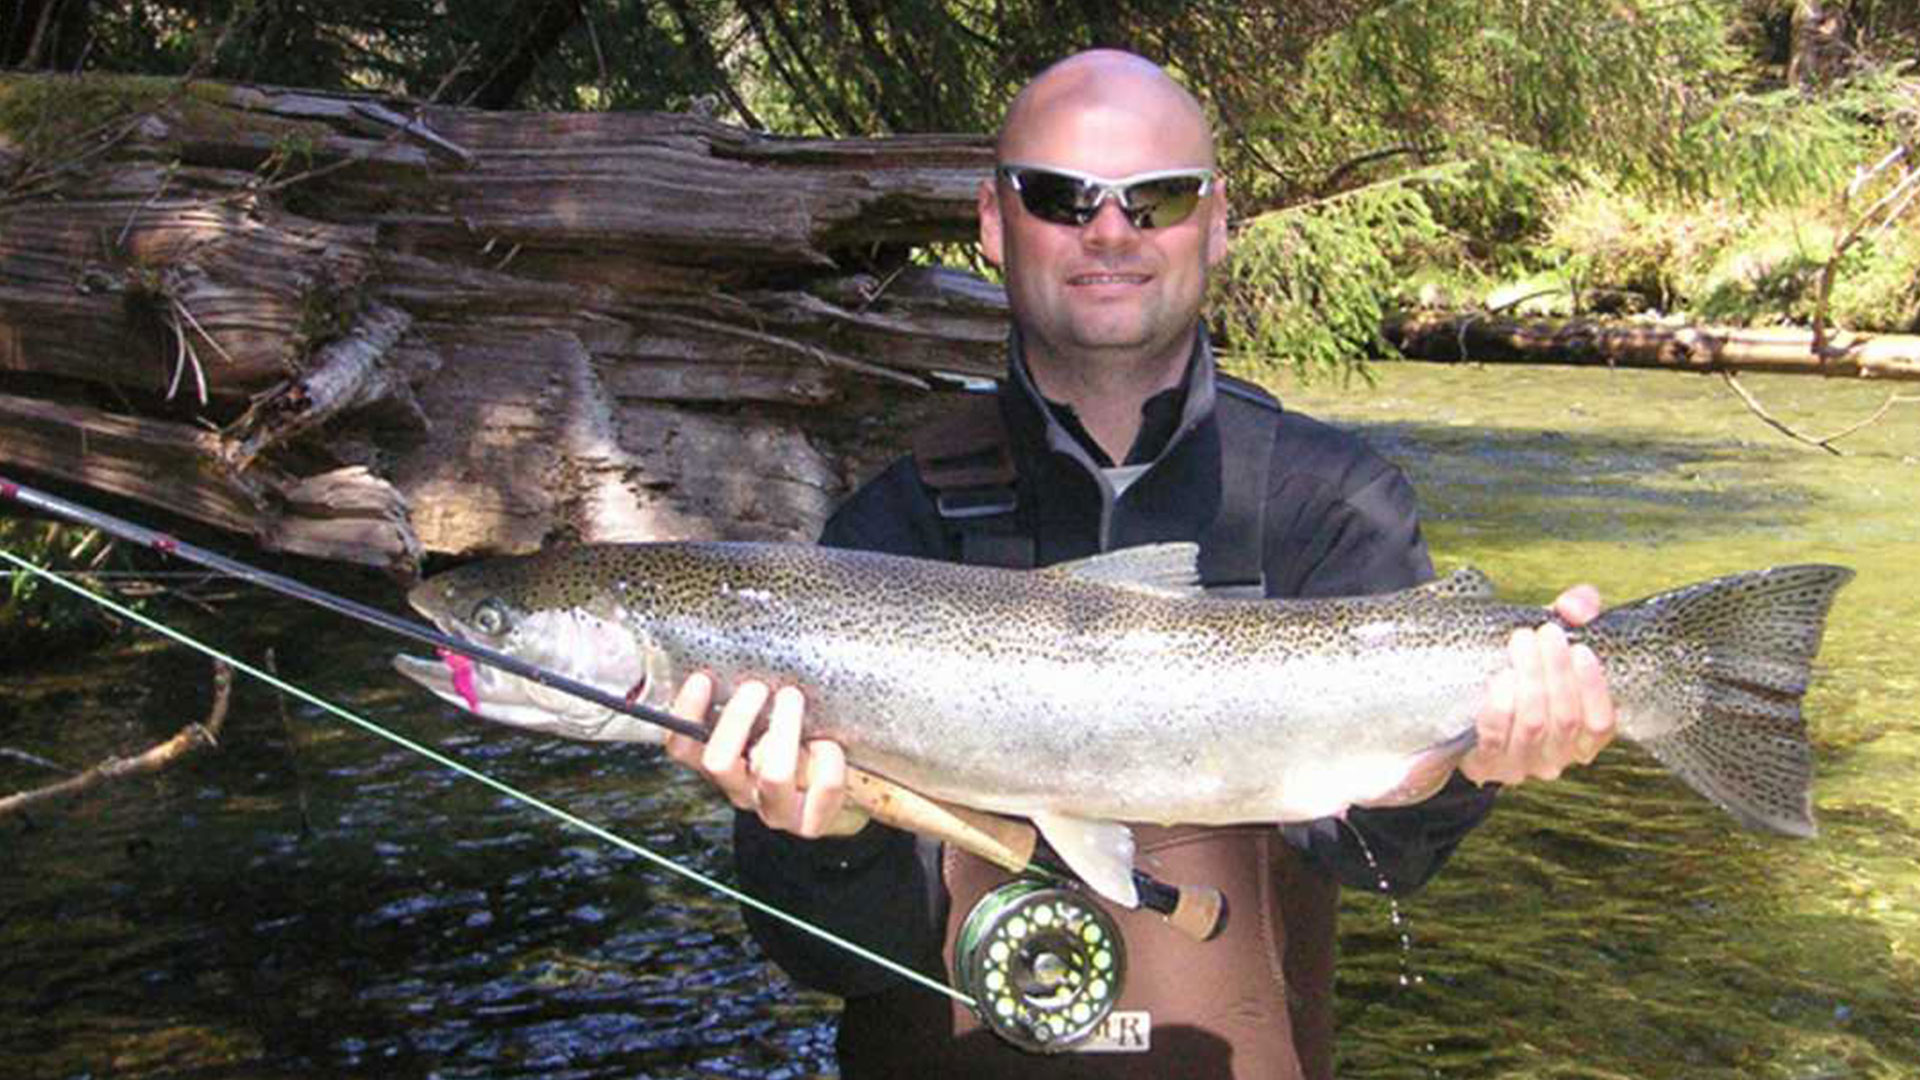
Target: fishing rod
1195, 911
457, 766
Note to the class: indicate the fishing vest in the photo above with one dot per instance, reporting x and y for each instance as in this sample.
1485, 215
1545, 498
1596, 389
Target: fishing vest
1256, 1000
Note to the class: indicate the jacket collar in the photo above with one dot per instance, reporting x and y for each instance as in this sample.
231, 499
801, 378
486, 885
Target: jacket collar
1032, 420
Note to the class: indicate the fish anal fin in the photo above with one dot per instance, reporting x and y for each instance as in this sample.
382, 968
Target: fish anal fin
1101, 852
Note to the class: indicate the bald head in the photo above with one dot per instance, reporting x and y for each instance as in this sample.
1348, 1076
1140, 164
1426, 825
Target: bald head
1102, 90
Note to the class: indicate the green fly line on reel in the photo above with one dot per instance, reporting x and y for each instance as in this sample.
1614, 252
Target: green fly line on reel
1044, 964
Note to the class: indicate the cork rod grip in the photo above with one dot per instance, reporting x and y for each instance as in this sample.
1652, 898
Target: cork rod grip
1195, 911
1004, 842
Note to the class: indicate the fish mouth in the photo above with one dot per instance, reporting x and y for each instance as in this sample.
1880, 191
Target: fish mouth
582, 647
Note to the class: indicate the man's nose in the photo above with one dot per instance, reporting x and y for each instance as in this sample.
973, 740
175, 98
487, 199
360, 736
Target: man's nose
1109, 225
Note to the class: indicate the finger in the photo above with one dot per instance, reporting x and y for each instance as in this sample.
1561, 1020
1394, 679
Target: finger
776, 756
1561, 695
1496, 715
1578, 606
1596, 700
690, 702
723, 759
1529, 694
1564, 702
826, 771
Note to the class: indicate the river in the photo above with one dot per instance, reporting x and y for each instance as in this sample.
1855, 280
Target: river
309, 900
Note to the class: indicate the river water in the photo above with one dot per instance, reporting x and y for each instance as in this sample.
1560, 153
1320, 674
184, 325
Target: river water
309, 900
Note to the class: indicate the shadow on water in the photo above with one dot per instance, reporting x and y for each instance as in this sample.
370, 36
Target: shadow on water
312, 901
309, 900
1517, 486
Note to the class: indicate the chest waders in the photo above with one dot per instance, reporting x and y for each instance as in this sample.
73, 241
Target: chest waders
1047, 964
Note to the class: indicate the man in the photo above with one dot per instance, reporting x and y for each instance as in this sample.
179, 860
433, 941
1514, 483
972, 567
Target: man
1121, 434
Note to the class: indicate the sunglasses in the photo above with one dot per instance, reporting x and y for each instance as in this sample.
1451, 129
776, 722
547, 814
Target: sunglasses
1151, 200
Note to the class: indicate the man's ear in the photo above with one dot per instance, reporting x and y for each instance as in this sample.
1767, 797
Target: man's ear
991, 236
1217, 223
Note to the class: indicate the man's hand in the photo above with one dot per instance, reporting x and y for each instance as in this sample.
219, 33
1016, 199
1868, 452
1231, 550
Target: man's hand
793, 789
1550, 708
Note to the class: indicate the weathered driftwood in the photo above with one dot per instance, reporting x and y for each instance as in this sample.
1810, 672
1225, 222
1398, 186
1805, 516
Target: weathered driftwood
1778, 349
179, 468
151, 760
430, 329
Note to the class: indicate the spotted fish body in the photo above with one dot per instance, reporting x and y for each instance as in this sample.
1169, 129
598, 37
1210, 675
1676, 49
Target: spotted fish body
1112, 690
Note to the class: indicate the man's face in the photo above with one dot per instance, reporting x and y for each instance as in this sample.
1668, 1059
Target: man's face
1105, 291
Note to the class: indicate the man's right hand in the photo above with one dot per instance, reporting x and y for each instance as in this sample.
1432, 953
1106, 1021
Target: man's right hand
796, 789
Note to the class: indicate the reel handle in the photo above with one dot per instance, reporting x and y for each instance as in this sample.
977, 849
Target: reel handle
1196, 911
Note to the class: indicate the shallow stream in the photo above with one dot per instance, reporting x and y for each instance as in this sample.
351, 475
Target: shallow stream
309, 900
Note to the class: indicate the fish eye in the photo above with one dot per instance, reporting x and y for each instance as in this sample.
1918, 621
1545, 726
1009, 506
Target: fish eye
490, 617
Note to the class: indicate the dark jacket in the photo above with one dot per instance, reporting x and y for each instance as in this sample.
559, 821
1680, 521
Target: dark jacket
1339, 520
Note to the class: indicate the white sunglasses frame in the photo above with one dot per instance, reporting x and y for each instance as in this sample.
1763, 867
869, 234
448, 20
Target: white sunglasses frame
1105, 187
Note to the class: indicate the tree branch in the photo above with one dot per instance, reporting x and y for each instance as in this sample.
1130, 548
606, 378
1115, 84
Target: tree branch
1901, 197
1824, 442
157, 757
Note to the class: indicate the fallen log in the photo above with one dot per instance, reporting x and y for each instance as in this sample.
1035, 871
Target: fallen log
366, 329
1455, 337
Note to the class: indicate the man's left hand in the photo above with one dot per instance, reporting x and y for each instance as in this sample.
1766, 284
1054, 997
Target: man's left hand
1550, 708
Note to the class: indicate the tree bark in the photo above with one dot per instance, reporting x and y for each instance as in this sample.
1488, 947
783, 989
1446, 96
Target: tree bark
452, 331
1473, 337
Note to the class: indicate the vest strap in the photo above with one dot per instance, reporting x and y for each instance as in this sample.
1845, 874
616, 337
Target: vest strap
1233, 550
966, 457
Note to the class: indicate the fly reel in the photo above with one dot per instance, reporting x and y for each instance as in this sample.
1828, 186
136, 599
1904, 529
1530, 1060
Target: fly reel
1043, 963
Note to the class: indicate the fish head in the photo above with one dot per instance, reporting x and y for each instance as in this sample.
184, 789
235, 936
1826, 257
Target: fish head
532, 609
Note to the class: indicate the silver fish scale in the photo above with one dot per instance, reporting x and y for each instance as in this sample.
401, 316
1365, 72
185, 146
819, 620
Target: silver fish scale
957, 680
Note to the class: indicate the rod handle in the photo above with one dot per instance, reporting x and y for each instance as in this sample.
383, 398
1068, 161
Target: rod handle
1196, 911
1004, 842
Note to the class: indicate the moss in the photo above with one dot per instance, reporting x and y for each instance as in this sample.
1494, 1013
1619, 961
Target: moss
328, 309
45, 115
41, 113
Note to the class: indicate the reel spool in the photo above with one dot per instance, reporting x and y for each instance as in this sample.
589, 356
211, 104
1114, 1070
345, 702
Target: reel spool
1045, 964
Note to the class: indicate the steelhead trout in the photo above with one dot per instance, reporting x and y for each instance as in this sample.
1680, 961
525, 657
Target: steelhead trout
1114, 690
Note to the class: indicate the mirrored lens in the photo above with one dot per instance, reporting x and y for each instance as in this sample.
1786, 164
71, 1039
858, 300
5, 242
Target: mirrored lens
1071, 200
1157, 204
1062, 200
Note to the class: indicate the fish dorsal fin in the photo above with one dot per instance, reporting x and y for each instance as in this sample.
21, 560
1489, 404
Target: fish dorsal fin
1160, 569
1465, 583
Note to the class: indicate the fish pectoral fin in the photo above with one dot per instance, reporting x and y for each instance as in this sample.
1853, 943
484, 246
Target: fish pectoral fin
1425, 773
1159, 569
1101, 852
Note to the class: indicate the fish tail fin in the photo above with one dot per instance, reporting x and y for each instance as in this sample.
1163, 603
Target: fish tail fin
1738, 737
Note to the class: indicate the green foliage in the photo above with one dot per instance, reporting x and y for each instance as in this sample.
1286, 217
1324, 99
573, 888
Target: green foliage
32, 611
1307, 286
1770, 271
1878, 286
1499, 201
48, 116
1600, 233
1609, 82
1778, 147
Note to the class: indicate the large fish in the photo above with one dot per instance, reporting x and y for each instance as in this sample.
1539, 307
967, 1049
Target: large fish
1114, 690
